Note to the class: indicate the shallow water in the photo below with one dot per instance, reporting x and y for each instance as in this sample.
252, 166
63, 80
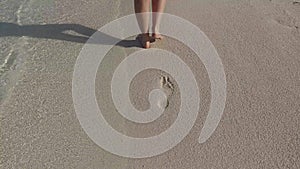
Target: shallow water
27, 27
14, 46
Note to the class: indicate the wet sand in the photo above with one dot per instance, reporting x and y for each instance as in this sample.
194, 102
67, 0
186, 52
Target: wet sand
258, 42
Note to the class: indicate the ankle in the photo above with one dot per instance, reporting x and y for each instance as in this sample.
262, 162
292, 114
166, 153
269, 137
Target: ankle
155, 30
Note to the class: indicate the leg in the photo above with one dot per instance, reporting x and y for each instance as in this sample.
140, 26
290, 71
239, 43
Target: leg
158, 7
142, 9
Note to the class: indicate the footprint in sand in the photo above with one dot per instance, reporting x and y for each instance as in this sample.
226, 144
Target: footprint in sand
296, 2
166, 84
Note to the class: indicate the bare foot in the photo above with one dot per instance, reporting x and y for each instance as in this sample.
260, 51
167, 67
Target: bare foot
157, 36
144, 39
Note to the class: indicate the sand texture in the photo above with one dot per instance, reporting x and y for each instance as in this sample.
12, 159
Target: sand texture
258, 42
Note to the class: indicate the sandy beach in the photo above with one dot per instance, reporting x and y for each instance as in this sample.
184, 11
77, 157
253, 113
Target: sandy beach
258, 42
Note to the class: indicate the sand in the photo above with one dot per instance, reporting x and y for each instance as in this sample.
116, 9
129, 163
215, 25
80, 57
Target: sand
258, 42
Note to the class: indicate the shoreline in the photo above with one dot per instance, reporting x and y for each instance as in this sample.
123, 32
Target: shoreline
257, 41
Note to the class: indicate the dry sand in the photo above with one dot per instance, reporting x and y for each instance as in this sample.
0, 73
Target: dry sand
258, 42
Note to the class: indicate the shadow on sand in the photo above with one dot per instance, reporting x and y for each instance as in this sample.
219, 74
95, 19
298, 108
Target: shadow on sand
59, 32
